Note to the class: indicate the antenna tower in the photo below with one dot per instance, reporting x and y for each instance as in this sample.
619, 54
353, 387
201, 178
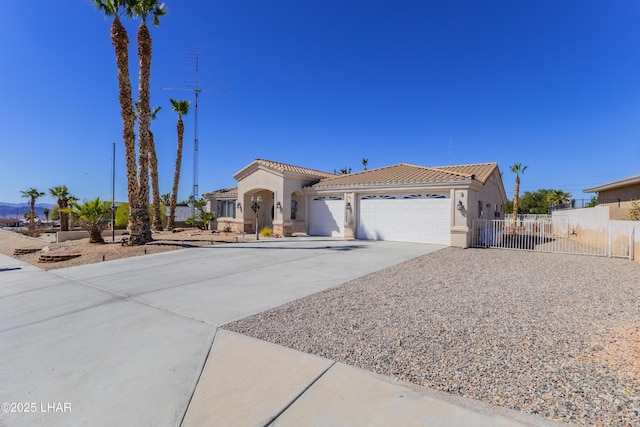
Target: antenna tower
197, 90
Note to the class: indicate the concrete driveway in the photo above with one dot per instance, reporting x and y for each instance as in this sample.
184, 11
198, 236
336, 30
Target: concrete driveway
136, 341
124, 342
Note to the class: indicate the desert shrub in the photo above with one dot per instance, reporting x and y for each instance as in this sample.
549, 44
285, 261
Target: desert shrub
634, 210
266, 231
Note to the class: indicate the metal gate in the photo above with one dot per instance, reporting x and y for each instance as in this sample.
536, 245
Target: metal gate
558, 235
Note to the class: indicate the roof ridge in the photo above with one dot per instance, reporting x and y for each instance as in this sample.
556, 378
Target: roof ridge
441, 169
292, 165
465, 164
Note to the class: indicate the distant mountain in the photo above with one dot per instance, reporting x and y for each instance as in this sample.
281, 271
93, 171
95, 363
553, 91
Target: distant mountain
13, 210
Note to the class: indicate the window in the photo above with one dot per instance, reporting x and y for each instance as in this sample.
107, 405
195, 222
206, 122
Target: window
294, 209
226, 208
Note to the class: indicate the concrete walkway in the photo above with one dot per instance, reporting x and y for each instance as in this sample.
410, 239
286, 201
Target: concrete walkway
138, 342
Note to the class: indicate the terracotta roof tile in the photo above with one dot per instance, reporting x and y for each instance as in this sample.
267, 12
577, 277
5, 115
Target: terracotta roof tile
233, 191
400, 173
283, 167
481, 171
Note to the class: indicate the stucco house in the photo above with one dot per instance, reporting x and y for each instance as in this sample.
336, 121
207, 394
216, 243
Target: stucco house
618, 195
402, 202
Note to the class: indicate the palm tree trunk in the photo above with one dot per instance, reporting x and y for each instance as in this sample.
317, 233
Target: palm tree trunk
155, 186
64, 217
95, 235
144, 123
32, 220
516, 193
176, 176
120, 42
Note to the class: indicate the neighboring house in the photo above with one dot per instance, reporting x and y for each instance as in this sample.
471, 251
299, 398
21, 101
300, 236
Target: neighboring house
11, 222
183, 212
618, 195
402, 202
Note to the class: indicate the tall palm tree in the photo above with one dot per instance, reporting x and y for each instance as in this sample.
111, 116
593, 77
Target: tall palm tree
155, 185
32, 194
61, 192
145, 9
153, 171
120, 41
517, 169
181, 108
365, 162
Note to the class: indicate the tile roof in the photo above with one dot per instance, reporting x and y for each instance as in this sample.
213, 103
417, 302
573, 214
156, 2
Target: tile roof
233, 191
481, 171
404, 173
283, 167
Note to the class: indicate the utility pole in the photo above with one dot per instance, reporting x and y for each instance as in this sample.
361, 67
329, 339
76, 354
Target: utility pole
197, 90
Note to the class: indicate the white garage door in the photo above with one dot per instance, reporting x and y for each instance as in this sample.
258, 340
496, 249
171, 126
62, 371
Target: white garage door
326, 216
419, 218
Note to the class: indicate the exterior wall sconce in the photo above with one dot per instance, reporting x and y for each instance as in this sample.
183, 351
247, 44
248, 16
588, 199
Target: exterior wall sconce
460, 206
279, 205
238, 205
348, 206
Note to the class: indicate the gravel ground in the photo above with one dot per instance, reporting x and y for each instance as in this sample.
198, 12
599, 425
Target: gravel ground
95, 252
555, 335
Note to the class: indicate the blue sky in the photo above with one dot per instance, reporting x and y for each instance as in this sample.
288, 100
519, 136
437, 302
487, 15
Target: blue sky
554, 85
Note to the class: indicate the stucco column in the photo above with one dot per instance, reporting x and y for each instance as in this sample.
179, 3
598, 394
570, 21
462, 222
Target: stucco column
459, 218
350, 215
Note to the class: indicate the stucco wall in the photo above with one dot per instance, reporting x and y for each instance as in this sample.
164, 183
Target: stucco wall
588, 227
631, 192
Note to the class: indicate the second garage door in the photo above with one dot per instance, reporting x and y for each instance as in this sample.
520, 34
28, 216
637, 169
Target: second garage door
419, 218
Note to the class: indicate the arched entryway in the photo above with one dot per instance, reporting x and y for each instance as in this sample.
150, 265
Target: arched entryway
263, 200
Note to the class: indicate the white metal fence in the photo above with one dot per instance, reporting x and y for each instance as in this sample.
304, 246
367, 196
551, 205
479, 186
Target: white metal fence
559, 235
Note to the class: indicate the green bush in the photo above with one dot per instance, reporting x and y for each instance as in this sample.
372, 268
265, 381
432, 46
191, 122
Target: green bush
122, 215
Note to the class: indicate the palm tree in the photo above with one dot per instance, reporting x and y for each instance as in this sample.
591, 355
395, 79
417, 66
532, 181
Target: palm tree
93, 216
45, 211
61, 192
155, 186
144, 9
153, 170
517, 169
32, 194
181, 108
165, 199
556, 197
365, 162
120, 41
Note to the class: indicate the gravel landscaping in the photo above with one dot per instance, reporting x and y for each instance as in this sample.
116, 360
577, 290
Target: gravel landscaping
555, 335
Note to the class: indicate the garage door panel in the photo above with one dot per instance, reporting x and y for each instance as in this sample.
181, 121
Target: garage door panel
421, 220
326, 217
